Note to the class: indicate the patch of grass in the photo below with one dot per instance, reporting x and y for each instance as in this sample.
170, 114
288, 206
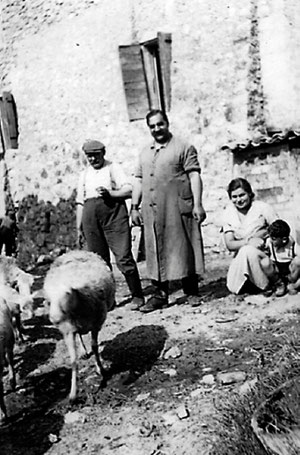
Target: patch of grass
234, 413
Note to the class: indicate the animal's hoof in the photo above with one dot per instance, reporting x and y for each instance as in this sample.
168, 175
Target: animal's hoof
87, 355
4, 420
103, 382
72, 399
12, 384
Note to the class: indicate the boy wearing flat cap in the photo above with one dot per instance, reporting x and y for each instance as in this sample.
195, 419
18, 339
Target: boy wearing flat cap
102, 217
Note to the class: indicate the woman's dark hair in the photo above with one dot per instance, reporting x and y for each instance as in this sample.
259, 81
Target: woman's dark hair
279, 229
240, 183
156, 112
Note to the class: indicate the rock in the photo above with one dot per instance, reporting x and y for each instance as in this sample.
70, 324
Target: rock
231, 377
204, 312
73, 417
142, 397
58, 251
255, 299
182, 412
226, 319
196, 393
171, 372
44, 259
248, 386
208, 379
174, 352
52, 438
206, 369
170, 418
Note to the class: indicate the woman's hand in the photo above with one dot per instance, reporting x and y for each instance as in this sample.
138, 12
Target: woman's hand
257, 242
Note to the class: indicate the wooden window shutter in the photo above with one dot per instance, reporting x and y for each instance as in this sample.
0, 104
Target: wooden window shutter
9, 120
165, 58
134, 81
153, 74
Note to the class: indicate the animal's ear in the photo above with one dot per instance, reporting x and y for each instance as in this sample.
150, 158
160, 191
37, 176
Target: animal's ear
74, 294
74, 291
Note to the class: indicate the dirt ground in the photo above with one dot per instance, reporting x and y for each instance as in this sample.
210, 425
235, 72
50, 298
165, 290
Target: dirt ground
166, 385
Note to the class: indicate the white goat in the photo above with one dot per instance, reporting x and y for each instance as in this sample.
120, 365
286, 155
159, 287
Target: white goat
81, 289
7, 340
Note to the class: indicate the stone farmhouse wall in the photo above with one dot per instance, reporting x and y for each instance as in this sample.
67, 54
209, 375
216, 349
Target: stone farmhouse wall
60, 61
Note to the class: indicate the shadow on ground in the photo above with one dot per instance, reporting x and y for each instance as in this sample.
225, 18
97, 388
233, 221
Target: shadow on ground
32, 414
216, 289
135, 351
40, 345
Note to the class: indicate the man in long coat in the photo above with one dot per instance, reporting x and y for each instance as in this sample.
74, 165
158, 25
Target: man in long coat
169, 185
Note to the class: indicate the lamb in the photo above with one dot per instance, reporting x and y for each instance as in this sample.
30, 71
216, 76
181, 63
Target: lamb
7, 340
81, 290
18, 301
16, 304
11, 275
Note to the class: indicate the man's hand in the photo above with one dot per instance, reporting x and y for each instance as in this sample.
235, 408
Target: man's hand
103, 192
136, 217
199, 213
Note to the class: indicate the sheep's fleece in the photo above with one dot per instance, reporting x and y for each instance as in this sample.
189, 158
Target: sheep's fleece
84, 271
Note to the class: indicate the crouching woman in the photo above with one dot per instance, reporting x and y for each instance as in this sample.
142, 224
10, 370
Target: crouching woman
245, 228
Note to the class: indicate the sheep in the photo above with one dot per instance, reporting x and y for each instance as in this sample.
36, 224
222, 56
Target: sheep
20, 300
11, 275
16, 303
7, 340
80, 289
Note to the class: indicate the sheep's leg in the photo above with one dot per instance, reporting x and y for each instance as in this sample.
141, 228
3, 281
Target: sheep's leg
11, 370
70, 340
86, 355
94, 345
19, 328
3, 410
2, 404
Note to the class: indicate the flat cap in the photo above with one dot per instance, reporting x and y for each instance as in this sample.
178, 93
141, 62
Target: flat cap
92, 146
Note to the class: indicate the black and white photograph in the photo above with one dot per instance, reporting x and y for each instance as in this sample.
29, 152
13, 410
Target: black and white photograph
149, 227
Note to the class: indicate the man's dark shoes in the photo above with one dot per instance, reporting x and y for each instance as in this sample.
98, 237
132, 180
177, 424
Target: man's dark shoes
137, 303
194, 300
156, 302
269, 291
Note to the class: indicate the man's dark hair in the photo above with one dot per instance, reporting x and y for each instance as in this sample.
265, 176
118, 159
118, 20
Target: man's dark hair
156, 112
279, 229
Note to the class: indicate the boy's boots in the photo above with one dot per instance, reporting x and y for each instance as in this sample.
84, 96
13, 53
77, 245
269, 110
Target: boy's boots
281, 288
